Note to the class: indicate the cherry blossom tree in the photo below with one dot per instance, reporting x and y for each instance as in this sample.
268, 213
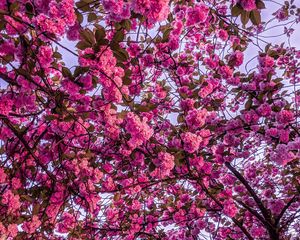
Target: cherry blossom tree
174, 119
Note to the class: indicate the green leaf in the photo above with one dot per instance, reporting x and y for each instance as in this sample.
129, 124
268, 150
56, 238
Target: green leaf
91, 128
245, 17
119, 36
121, 55
180, 118
83, 6
118, 26
142, 108
68, 118
29, 7
117, 197
83, 45
151, 167
248, 104
36, 209
126, 24
8, 58
50, 117
100, 33
88, 36
57, 55
66, 72
179, 158
166, 35
255, 17
80, 70
92, 17
27, 198
260, 4
236, 10
22, 71
89, 56
127, 78
20, 220
79, 17
103, 42
13, 7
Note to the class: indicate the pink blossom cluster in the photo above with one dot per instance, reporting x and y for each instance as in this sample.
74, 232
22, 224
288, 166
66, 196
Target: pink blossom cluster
139, 131
196, 118
45, 56
191, 141
237, 58
104, 67
285, 153
59, 17
154, 130
10, 231
197, 14
11, 200
164, 163
155, 10
31, 226
248, 5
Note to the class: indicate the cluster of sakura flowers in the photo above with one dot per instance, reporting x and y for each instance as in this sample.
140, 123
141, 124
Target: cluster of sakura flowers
145, 131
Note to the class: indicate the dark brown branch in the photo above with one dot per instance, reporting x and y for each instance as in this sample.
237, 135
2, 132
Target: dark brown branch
277, 220
273, 231
19, 135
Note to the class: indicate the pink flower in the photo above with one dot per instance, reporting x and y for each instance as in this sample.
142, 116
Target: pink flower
257, 231
187, 104
114, 6
191, 141
12, 230
284, 135
155, 10
197, 162
165, 162
264, 110
281, 155
68, 222
5, 105
73, 32
2, 176
206, 90
30, 227
136, 205
112, 214
229, 208
179, 216
248, 5
57, 197
276, 206
272, 132
237, 58
11, 200
2, 229
250, 117
109, 75
226, 72
87, 82
45, 56
266, 61
196, 118
223, 35
16, 183
139, 130
197, 14
285, 116
282, 14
